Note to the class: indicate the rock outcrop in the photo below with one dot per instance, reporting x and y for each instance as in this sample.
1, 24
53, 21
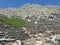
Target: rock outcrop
28, 9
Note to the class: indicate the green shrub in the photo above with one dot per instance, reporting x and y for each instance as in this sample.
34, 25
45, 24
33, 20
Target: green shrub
14, 22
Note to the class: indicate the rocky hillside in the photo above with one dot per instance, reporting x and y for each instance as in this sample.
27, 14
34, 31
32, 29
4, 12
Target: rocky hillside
31, 9
30, 12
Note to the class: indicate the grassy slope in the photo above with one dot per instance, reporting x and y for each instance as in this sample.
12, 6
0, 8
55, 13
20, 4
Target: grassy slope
14, 22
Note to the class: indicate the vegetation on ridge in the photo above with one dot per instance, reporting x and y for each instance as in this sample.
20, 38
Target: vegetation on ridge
14, 22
